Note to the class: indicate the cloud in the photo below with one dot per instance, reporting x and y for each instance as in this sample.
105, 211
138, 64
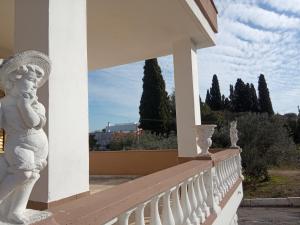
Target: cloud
260, 17
255, 36
254, 39
284, 5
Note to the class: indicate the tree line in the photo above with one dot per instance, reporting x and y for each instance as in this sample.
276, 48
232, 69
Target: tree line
158, 109
242, 97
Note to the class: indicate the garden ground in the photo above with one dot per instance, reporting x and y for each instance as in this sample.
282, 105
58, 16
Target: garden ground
283, 183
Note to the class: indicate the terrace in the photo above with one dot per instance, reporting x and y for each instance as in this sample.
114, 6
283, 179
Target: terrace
184, 186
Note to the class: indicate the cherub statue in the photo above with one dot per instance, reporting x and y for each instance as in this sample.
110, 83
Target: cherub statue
22, 117
234, 134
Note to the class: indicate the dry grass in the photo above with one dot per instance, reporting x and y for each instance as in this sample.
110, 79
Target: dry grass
283, 183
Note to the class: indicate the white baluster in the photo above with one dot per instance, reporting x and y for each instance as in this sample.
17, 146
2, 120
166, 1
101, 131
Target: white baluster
222, 189
240, 166
167, 215
226, 176
191, 191
235, 168
232, 170
216, 192
139, 214
176, 206
204, 194
228, 166
211, 202
154, 214
111, 222
222, 175
199, 198
185, 203
124, 217
232, 165
219, 185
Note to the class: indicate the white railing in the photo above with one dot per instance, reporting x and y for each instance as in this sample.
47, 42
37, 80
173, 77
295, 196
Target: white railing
186, 203
190, 193
226, 174
190, 202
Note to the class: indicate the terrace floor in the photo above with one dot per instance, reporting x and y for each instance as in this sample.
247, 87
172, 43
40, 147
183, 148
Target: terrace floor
101, 183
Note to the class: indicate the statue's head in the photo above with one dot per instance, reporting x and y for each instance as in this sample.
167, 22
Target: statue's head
24, 72
233, 124
24, 80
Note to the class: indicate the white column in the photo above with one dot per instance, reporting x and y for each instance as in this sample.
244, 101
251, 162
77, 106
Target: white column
187, 97
58, 28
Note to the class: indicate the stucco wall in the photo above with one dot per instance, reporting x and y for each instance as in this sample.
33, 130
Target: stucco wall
133, 162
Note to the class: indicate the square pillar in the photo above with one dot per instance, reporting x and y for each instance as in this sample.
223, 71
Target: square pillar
187, 97
58, 28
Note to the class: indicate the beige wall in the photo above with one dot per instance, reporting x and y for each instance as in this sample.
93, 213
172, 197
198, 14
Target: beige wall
7, 20
133, 162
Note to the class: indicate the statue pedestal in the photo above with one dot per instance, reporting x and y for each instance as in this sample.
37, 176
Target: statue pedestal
33, 216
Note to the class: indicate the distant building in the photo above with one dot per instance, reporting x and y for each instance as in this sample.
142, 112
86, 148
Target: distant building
105, 136
122, 127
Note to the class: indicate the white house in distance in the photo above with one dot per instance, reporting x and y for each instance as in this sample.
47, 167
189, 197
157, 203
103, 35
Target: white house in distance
83, 35
105, 136
122, 127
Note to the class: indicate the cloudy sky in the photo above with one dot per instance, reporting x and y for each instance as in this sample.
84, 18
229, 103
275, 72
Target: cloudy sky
255, 36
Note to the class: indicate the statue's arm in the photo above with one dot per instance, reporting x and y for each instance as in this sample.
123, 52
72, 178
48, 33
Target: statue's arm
30, 117
42, 114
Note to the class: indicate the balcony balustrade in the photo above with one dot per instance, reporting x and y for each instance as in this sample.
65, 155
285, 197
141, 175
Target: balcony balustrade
194, 192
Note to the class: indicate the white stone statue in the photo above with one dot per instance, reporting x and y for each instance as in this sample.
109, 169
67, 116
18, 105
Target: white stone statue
22, 117
204, 134
233, 134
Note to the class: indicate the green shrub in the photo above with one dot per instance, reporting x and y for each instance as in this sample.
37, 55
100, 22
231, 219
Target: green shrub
145, 141
265, 142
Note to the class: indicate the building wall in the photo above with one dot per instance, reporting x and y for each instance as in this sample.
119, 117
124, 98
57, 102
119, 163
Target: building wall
132, 162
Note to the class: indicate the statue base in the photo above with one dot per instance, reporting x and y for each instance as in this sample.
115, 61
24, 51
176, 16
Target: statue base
32, 215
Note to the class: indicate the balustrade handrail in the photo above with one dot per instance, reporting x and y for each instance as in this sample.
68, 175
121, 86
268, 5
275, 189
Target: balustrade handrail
189, 193
104, 206
220, 156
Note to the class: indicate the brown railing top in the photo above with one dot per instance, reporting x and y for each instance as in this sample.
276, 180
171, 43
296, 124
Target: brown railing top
104, 206
221, 155
210, 12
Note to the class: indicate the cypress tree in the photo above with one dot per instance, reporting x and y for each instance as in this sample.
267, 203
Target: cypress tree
216, 100
208, 98
154, 105
231, 90
239, 96
172, 104
264, 96
230, 106
223, 102
254, 100
247, 98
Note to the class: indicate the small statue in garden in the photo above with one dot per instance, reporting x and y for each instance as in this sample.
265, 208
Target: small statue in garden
22, 117
234, 134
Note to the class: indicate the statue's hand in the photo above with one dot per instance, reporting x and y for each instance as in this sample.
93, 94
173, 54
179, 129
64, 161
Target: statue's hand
26, 98
41, 165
